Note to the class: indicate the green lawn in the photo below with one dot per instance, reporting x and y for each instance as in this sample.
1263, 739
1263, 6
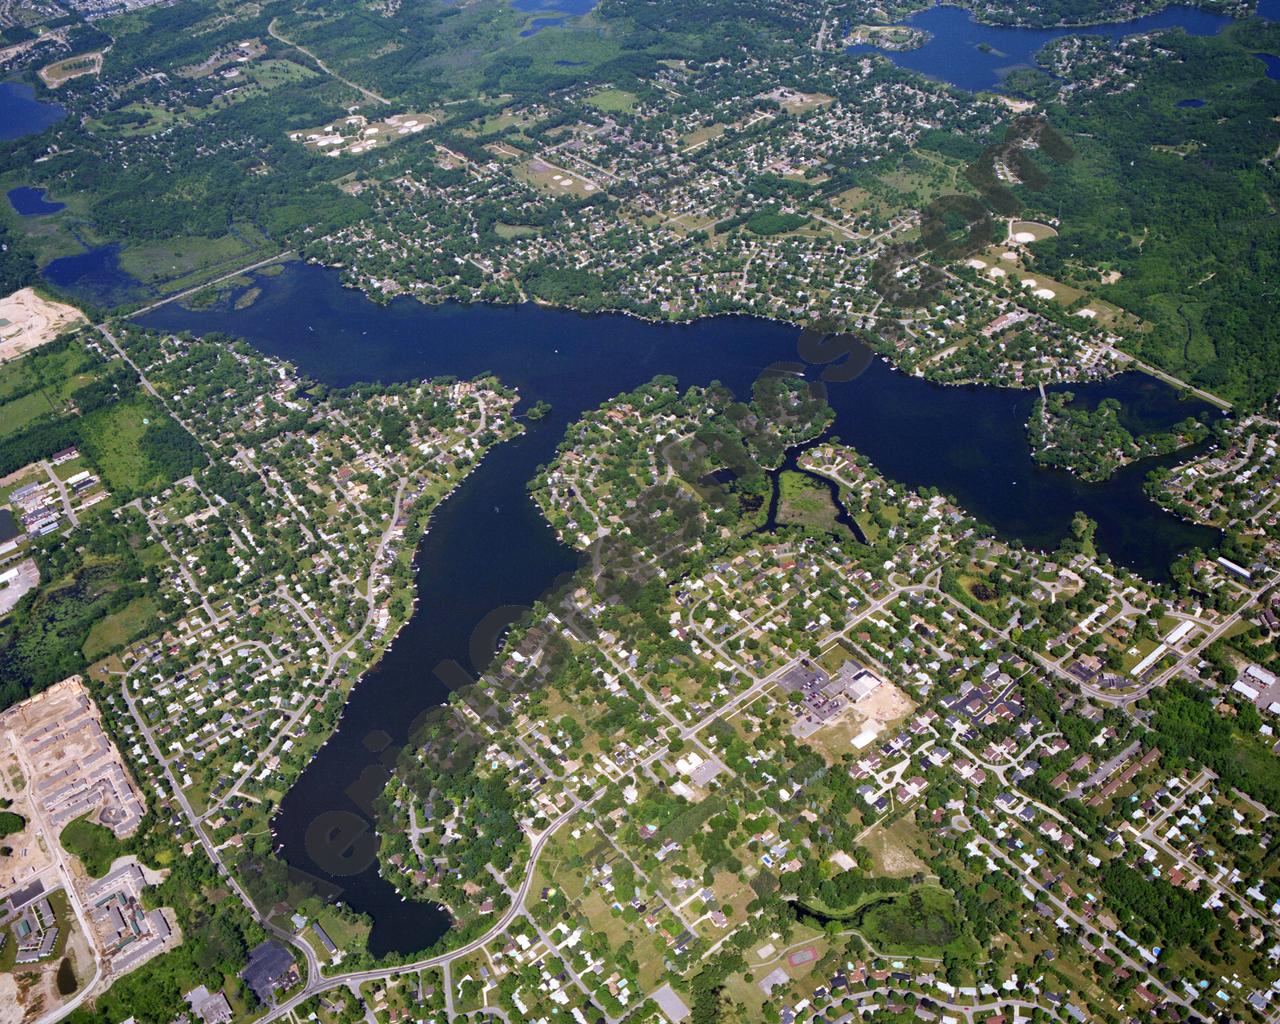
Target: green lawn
92, 844
513, 230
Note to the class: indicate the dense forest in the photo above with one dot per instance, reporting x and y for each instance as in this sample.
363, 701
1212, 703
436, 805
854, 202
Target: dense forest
1187, 727
17, 262
42, 640
1181, 203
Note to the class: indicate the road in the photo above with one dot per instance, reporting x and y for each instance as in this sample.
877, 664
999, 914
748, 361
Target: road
208, 284
50, 836
1100, 939
1190, 657
316, 984
334, 654
183, 569
309, 954
147, 386
367, 93
62, 492
1169, 378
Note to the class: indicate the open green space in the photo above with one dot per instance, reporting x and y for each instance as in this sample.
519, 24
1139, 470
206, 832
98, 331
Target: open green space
804, 501
112, 631
613, 101
138, 446
168, 263
94, 845
17, 414
923, 922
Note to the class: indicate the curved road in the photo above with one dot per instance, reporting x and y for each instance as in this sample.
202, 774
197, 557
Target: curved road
317, 984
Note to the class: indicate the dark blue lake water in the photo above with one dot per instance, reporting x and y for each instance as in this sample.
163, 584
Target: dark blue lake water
488, 547
1272, 63
31, 202
22, 114
975, 57
94, 276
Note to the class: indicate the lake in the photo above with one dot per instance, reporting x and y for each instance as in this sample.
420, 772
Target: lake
31, 202
976, 57
93, 276
571, 7
22, 114
489, 548
563, 8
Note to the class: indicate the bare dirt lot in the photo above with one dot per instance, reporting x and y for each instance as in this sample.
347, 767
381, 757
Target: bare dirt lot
28, 320
29, 857
10, 1009
885, 704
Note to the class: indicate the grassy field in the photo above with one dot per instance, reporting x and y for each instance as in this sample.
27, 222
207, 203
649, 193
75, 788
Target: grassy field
702, 135
1038, 231
39, 385
514, 230
119, 628
555, 179
804, 502
92, 844
613, 101
57, 372
893, 848
176, 258
17, 414
115, 434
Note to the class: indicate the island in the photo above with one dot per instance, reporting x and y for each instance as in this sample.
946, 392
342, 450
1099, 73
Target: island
1093, 443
